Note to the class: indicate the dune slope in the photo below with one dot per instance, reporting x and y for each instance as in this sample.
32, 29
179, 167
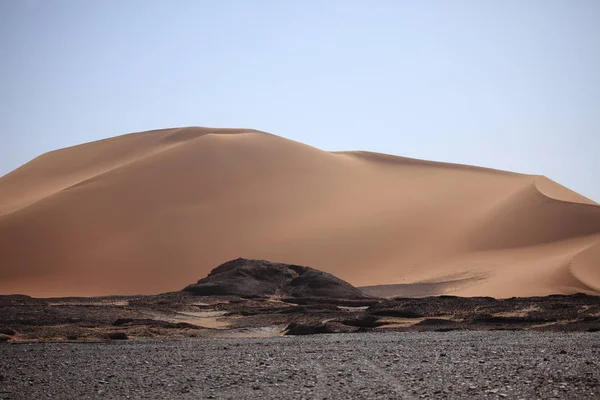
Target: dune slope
152, 211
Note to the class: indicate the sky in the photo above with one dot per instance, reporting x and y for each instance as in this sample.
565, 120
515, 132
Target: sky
512, 84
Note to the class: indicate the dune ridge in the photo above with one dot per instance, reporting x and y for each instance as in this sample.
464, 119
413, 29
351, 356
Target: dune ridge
147, 212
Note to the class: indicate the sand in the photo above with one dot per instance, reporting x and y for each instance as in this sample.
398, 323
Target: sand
154, 211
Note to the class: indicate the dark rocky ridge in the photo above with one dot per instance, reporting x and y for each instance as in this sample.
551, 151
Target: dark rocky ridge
182, 314
244, 298
255, 278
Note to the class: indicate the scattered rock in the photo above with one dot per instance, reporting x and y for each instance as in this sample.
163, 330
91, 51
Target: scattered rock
305, 329
363, 321
397, 312
153, 322
309, 309
315, 328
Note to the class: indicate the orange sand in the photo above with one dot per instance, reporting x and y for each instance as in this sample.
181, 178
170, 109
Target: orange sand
154, 211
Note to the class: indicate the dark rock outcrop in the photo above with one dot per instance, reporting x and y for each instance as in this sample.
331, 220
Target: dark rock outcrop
153, 322
295, 329
252, 278
7, 331
20, 300
117, 336
362, 321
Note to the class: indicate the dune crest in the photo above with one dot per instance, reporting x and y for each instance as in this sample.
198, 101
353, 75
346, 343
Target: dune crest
148, 212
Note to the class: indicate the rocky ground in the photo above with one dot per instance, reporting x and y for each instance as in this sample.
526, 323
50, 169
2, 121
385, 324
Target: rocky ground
258, 298
181, 314
390, 365
255, 329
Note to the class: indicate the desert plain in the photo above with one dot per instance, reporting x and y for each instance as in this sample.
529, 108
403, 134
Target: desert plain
233, 263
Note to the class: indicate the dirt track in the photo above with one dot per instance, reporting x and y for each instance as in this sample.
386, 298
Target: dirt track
361, 366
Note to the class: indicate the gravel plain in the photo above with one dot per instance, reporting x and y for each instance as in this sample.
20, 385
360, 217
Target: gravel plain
458, 364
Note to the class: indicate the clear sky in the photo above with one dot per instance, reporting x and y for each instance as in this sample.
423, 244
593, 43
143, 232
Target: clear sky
511, 84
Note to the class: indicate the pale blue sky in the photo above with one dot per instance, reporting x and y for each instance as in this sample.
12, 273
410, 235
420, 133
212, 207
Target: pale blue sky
510, 84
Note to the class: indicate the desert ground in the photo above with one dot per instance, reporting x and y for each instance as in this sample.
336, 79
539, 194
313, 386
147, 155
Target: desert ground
148, 212
428, 279
257, 298
449, 365
180, 315
187, 344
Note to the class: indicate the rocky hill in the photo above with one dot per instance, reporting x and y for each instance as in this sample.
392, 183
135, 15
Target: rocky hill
243, 277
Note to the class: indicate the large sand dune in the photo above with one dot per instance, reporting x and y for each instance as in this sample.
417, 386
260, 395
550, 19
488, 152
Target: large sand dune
150, 212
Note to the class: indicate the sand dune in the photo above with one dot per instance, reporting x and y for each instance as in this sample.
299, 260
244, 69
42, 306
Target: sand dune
150, 212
